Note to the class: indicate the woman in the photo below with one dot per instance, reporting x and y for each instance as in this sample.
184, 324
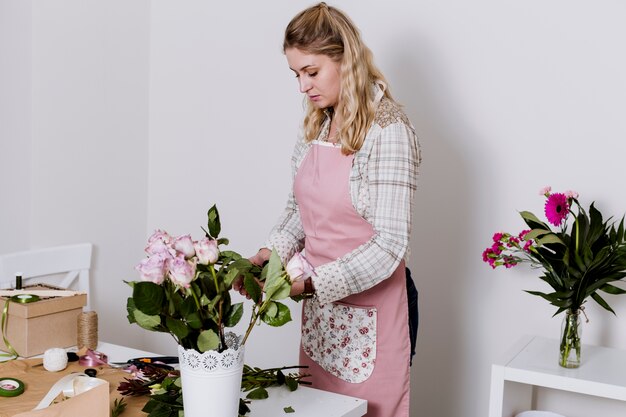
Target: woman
355, 173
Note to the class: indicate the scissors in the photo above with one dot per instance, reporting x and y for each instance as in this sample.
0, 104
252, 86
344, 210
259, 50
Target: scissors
158, 361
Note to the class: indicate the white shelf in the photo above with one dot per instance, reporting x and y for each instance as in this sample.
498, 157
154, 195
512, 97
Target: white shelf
533, 361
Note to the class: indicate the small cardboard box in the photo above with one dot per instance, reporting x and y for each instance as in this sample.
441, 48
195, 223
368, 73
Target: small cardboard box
32, 328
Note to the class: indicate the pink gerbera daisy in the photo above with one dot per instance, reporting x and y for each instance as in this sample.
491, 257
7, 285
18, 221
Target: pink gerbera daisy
556, 208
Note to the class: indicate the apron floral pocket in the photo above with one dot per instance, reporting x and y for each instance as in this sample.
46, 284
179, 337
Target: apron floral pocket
341, 338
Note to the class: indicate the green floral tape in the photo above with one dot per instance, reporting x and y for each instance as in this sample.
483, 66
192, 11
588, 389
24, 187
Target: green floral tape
11, 387
24, 298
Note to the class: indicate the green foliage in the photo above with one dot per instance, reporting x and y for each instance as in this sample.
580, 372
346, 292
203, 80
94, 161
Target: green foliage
196, 314
577, 261
582, 261
118, 407
165, 390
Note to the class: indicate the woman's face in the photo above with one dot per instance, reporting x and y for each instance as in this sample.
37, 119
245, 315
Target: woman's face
318, 76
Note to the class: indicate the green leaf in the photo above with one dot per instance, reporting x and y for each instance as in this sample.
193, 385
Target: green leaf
601, 301
208, 340
194, 321
230, 255
188, 306
130, 309
533, 234
234, 315
146, 321
230, 276
532, 221
275, 279
258, 394
549, 238
289, 410
283, 316
252, 287
176, 327
214, 222
272, 309
204, 300
282, 292
148, 297
553, 299
612, 289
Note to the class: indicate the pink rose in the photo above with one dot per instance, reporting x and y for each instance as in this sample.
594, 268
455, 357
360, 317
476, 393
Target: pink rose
158, 242
160, 234
153, 268
182, 272
207, 251
571, 194
545, 191
299, 268
184, 244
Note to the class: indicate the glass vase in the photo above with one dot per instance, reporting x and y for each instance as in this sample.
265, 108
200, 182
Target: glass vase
570, 348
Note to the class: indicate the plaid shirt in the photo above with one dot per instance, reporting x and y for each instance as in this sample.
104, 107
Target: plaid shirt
383, 181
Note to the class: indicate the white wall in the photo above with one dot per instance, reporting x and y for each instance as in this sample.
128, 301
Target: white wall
170, 107
76, 165
15, 124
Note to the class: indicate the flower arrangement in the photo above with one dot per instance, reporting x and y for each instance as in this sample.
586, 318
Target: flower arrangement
578, 260
185, 289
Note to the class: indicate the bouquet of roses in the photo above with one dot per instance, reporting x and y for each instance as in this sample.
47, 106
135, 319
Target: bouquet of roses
185, 288
578, 259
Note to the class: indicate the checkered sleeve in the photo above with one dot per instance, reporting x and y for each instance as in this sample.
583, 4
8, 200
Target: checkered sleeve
392, 169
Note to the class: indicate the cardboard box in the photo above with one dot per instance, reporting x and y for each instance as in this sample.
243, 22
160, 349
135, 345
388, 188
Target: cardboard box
32, 328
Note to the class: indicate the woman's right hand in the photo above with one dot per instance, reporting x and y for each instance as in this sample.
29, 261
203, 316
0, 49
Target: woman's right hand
262, 256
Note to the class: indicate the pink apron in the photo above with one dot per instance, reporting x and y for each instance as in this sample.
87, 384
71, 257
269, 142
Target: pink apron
360, 345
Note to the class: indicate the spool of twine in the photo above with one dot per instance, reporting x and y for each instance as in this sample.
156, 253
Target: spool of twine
87, 330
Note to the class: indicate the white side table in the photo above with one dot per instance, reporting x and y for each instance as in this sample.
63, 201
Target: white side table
532, 361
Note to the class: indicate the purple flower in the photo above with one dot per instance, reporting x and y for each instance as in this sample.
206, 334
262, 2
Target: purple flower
496, 249
513, 241
556, 208
498, 236
527, 245
510, 261
490, 257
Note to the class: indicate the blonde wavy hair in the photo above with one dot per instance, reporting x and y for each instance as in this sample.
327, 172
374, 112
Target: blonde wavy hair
325, 30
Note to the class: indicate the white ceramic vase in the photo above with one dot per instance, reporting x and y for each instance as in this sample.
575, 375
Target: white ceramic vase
211, 381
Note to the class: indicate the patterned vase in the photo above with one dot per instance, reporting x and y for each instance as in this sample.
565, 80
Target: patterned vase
570, 347
211, 381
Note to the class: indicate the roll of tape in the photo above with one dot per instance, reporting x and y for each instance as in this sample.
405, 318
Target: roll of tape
11, 387
25, 298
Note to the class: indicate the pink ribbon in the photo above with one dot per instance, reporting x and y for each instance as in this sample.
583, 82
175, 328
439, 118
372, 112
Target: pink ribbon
93, 358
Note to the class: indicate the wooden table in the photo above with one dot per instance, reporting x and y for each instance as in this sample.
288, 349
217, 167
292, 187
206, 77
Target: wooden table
305, 401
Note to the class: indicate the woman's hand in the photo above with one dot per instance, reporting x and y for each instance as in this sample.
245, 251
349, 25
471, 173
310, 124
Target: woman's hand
297, 288
262, 256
